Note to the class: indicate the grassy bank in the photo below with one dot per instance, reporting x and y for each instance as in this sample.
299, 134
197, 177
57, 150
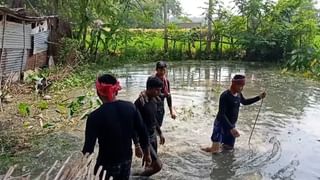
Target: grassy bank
30, 127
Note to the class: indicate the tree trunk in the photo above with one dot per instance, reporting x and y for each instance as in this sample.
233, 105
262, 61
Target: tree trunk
97, 45
189, 50
216, 42
233, 52
200, 43
209, 33
55, 7
16, 3
84, 36
221, 46
165, 18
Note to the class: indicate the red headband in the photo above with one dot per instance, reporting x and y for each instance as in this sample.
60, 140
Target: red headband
108, 90
239, 81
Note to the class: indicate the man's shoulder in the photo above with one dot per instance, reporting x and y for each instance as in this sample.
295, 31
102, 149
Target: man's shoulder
125, 104
225, 93
143, 99
138, 101
94, 114
120, 103
152, 75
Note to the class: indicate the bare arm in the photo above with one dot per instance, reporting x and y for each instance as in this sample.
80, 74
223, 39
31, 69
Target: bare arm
141, 135
169, 102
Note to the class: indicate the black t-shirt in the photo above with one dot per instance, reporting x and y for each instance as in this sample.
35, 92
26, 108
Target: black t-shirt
148, 111
163, 96
229, 108
114, 125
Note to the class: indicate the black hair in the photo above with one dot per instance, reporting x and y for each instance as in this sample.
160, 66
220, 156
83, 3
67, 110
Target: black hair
161, 65
107, 79
154, 82
238, 76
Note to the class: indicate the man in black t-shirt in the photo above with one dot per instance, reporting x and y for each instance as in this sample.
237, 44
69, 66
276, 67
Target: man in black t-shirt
224, 129
114, 124
147, 105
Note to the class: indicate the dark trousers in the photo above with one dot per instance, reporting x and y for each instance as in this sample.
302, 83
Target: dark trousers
222, 135
160, 112
153, 147
119, 171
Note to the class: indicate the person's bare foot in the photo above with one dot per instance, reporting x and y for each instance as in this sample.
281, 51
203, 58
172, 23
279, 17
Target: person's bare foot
215, 148
136, 172
210, 150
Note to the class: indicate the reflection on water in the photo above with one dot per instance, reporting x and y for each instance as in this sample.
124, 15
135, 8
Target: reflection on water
285, 144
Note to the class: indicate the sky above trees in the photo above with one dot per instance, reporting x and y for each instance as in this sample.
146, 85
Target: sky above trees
194, 8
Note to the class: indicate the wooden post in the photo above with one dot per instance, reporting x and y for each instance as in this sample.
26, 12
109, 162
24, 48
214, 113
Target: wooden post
4, 20
35, 62
24, 46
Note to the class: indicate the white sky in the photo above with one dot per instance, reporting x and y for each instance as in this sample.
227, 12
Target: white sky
194, 7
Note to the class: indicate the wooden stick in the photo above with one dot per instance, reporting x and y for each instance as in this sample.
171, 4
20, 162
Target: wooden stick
65, 174
23, 177
62, 168
90, 172
51, 169
104, 174
5, 89
40, 176
80, 169
1, 108
10, 171
98, 173
255, 122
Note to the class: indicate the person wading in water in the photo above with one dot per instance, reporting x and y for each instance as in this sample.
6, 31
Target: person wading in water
146, 104
161, 70
114, 124
224, 128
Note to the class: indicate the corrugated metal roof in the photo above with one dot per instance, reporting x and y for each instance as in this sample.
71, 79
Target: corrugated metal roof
40, 42
12, 60
14, 35
15, 14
